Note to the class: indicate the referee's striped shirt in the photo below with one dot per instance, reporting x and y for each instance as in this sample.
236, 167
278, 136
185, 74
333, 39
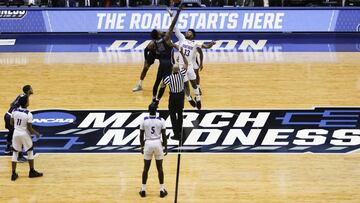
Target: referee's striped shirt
176, 81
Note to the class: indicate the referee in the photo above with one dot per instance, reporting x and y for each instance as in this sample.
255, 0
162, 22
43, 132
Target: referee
176, 98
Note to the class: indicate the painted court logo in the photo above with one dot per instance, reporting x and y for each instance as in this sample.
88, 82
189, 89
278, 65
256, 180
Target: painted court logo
319, 130
53, 119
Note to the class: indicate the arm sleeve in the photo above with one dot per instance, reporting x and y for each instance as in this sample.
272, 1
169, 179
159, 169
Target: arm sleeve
178, 34
30, 117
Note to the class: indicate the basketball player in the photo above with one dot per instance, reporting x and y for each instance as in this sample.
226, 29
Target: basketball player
152, 130
190, 50
164, 47
27, 91
150, 56
21, 120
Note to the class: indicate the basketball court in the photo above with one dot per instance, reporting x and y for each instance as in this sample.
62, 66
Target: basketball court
104, 80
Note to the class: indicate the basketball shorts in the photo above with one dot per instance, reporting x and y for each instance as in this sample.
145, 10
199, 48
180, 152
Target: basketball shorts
153, 148
21, 140
190, 73
165, 68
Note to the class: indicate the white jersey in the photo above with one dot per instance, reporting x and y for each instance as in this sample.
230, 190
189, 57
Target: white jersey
21, 118
189, 48
152, 125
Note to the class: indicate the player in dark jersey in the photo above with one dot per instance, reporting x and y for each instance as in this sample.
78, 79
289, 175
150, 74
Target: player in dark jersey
27, 91
164, 48
150, 55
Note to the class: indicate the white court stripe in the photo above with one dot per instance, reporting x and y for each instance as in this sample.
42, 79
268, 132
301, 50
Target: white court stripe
186, 148
86, 131
108, 148
299, 148
335, 148
90, 148
7, 42
241, 148
125, 148
68, 131
265, 148
219, 148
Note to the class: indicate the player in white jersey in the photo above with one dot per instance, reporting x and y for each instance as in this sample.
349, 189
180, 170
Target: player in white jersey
21, 119
153, 139
190, 48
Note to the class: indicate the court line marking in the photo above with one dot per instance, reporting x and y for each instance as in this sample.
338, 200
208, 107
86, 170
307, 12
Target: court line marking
68, 131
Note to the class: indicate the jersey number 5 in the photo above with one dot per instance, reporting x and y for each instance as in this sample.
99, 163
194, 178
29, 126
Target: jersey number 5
153, 130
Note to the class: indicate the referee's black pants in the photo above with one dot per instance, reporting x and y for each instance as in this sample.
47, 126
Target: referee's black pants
176, 106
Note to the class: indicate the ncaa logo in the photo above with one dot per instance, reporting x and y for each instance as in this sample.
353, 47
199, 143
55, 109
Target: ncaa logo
53, 118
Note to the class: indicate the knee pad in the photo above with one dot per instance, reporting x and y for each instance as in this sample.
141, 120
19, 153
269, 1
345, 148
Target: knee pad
15, 156
30, 154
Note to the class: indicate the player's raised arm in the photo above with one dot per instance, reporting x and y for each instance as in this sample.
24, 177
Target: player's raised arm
208, 46
178, 34
171, 28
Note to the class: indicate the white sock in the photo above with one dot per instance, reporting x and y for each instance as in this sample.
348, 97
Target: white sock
143, 187
189, 98
162, 188
197, 94
198, 86
140, 82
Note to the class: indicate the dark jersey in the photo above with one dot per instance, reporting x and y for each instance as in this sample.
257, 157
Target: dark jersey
15, 104
163, 50
150, 52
